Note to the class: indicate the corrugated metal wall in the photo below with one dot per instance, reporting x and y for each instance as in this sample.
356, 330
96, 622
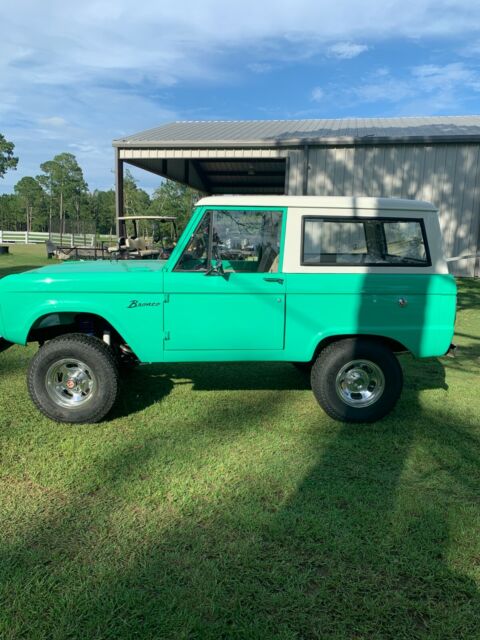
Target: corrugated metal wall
447, 175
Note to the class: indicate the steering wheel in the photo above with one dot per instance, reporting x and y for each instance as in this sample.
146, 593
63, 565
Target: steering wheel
199, 248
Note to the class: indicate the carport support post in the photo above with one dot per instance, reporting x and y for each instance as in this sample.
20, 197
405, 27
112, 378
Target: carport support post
476, 264
305, 170
119, 192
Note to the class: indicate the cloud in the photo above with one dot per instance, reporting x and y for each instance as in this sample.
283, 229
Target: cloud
424, 89
260, 67
346, 50
442, 77
54, 121
86, 73
385, 89
318, 94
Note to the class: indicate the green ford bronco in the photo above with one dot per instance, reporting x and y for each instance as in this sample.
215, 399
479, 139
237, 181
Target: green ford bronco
334, 285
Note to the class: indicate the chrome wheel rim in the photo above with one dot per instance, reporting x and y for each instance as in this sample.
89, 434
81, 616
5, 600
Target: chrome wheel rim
360, 383
70, 383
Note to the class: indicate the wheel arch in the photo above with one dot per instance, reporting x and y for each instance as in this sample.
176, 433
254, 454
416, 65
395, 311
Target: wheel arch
56, 323
140, 329
391, 343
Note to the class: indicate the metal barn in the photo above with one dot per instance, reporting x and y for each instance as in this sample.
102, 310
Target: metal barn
435, 159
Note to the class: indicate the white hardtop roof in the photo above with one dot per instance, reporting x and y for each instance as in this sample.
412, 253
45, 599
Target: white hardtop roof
318, 202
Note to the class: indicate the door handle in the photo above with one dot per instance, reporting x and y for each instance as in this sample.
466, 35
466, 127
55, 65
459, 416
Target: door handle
279, 280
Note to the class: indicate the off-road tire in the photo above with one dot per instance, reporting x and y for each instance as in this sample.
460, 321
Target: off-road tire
330, 362
89, 350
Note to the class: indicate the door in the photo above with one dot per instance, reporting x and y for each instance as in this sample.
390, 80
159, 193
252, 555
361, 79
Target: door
225, 292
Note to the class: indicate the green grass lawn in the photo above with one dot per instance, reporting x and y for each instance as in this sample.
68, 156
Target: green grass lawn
219, 501
22, 257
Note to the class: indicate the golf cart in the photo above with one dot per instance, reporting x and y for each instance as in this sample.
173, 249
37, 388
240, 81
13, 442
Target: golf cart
135, 244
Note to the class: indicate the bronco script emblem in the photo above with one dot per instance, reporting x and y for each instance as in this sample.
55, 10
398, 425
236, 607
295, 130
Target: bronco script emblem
135, 303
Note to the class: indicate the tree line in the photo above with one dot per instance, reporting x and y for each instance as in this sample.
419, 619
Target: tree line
58, 198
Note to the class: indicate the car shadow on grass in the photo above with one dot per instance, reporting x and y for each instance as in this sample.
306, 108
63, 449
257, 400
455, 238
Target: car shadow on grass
150, 384
469, 293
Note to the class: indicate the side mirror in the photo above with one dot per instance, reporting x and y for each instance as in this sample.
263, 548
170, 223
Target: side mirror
216, 268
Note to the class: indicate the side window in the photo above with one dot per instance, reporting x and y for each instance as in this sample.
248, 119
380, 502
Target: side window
368, 241
245, 241
330, 242
405, 241
195, 254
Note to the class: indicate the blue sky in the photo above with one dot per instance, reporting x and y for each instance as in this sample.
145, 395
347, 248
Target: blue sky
74, 76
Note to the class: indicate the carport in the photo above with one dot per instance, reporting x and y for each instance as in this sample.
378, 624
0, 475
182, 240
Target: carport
214, 157
435, 159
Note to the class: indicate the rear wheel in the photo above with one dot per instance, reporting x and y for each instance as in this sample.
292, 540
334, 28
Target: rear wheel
357, 380
74, 378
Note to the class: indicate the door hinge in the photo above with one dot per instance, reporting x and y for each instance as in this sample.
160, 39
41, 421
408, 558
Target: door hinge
166, 335
166, 297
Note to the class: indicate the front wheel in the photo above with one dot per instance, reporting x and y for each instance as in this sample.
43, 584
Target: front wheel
357, 380
74, 378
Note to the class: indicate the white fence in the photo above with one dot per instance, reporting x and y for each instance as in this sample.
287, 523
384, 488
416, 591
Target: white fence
39, 237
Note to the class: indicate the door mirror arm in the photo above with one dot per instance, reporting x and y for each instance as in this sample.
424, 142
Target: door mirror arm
216, 264
215, 269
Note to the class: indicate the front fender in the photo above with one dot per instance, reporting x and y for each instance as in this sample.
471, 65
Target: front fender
137, 318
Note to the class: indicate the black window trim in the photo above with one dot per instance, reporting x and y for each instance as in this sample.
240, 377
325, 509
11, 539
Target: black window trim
175, 267
210, 213
331, 218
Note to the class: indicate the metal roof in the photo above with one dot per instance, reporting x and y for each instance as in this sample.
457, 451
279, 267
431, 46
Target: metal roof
279, 133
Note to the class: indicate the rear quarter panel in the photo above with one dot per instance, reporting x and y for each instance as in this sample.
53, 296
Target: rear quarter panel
322, 305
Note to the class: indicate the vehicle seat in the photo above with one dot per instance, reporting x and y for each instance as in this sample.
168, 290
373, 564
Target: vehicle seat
143, 251
274, 267
131, 245
266, 261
